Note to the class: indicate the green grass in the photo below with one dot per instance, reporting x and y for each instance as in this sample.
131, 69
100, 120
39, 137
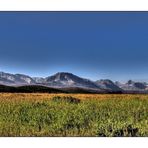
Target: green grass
62, 117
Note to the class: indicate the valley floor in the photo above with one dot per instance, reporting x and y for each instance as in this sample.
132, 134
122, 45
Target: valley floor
43, 114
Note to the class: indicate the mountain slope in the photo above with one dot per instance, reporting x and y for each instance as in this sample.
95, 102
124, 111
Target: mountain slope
107, 84
39, 79
132, 86
64, 79
15, 79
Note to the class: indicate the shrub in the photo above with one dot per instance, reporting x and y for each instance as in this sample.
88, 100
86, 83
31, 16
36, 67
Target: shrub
67, 99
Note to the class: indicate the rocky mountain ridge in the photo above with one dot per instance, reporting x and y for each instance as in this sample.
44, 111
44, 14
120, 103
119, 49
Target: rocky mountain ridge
69, 80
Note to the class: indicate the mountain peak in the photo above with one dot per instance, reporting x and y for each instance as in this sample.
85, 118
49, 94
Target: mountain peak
108, 84
63, 73
130, 82
15, 79
66, 79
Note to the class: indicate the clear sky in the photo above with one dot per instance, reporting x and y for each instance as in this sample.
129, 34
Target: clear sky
95, 45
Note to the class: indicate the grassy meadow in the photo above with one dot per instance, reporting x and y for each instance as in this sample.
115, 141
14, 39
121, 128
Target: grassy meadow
41, 114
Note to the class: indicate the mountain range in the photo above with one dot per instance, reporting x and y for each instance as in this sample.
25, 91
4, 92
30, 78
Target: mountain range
70, 82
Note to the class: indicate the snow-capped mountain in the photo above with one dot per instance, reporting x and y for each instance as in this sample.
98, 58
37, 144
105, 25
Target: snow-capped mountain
39, 79
65, 79
107, 84
132, 85
15, 79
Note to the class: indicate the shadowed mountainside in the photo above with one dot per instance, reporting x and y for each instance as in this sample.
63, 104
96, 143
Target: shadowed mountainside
44, 89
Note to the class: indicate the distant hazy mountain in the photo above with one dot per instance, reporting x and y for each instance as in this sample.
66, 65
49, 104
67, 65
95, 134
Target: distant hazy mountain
15, 79
132, 85
107, 84
39, 79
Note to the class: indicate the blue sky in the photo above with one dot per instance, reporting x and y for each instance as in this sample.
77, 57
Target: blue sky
95, 45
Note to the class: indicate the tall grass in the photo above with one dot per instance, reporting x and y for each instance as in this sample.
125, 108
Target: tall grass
74, 115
